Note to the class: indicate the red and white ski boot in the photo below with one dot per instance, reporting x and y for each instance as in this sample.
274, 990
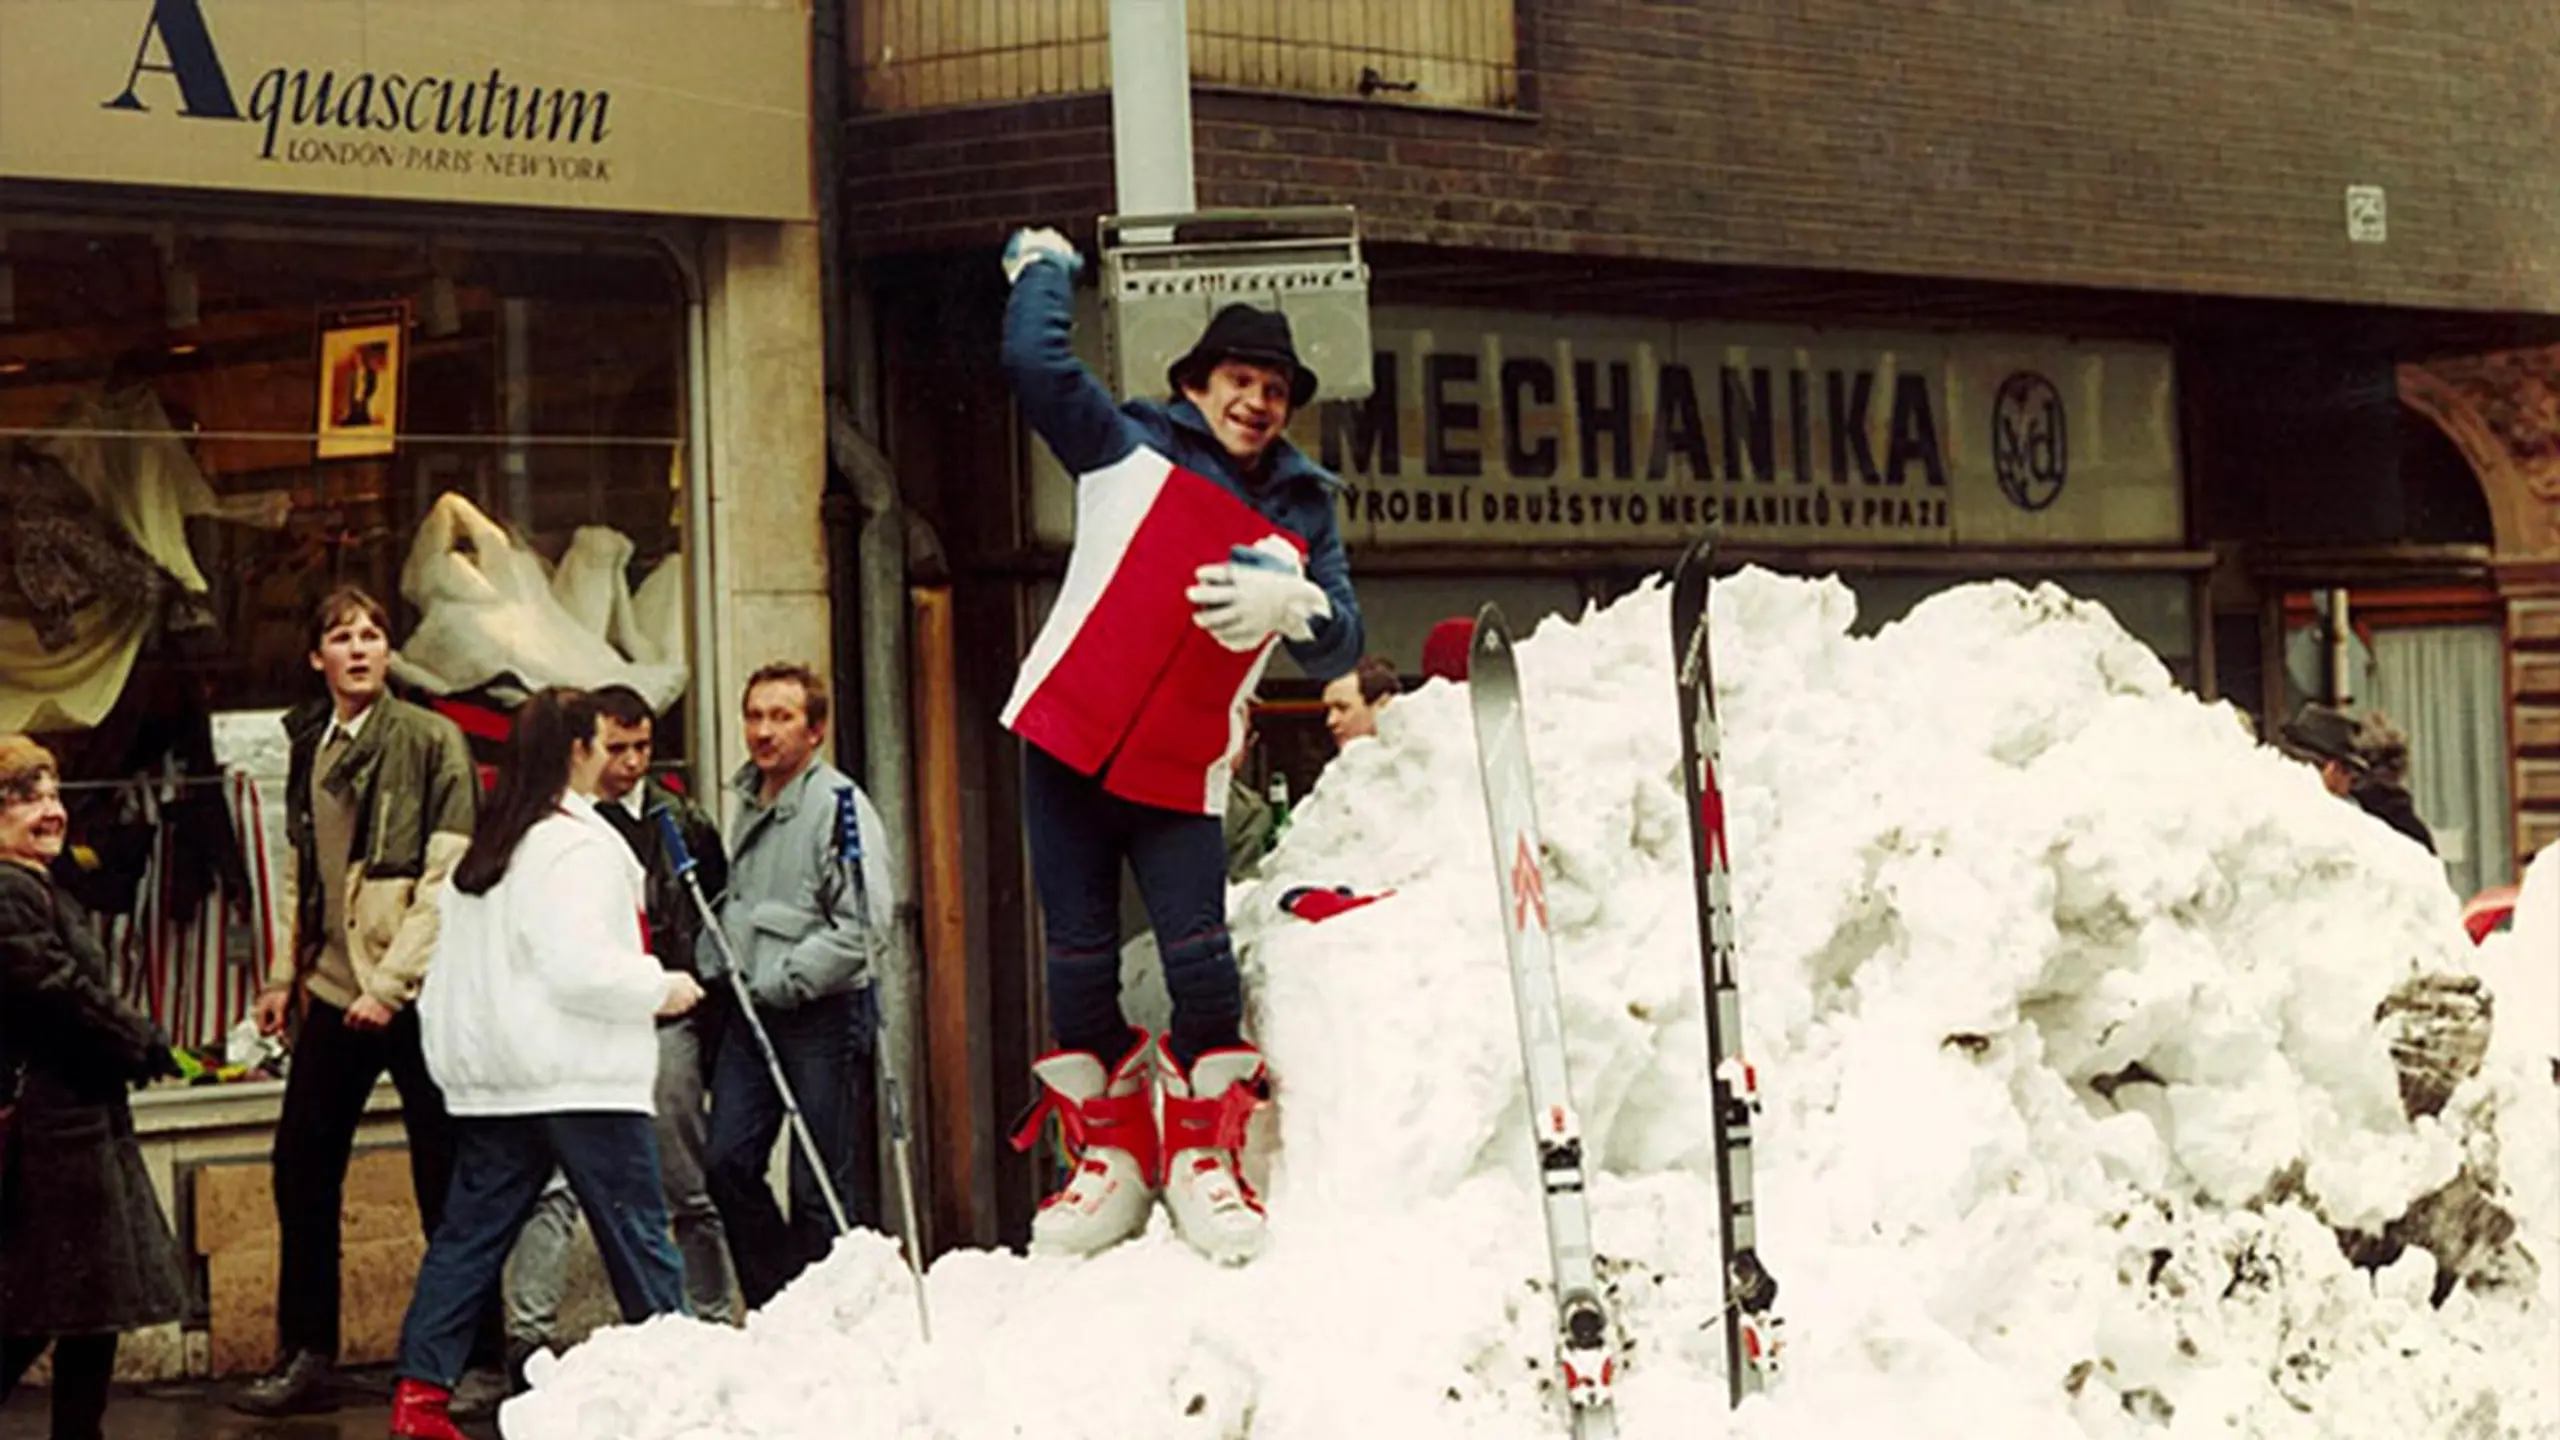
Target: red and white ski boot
1110, 1127
1205, 1117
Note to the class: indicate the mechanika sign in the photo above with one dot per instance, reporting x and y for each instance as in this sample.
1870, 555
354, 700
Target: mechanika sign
1488, 426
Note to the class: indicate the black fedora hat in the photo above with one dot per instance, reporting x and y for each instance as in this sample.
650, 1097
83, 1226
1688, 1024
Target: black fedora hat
1242, 332
2322, 732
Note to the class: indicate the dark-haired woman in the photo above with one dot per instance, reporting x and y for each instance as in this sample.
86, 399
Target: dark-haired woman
85, 1252
538, 1023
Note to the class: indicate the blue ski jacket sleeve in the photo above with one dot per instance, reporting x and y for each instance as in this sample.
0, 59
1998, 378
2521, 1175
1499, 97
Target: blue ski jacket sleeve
1071, 410
1066, 405
1335, 649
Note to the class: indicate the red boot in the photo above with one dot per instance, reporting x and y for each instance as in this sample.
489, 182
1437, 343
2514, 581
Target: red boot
418, 1412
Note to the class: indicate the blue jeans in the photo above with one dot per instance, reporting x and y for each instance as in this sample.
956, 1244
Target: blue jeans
824, 1047
500, 1166
1080, 836
539, 1269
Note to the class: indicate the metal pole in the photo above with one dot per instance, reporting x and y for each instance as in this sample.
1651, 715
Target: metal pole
1151, 107
2337, 648
849, 867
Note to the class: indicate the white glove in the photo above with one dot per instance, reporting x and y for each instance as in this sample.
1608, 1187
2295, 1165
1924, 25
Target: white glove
1258, 593
1042, 244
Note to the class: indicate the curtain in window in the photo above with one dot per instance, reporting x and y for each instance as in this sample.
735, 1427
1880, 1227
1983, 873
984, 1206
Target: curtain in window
2445, 686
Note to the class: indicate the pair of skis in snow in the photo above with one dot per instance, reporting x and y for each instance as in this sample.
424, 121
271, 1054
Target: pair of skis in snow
1586, 1342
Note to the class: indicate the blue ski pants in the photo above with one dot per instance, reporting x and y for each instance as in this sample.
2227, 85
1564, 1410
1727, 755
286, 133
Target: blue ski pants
1081, 834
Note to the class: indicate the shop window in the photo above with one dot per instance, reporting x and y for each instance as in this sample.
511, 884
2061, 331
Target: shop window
202, 431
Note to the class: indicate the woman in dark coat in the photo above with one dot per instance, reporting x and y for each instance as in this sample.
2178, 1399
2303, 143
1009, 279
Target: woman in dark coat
85, 1252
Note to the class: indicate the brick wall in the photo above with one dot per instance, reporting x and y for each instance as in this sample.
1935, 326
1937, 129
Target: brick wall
2201, 146
956, 179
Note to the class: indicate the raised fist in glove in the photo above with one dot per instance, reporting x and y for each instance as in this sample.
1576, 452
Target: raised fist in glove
1261, 591
1041, 244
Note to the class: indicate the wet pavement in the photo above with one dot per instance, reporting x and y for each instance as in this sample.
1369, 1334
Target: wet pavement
198, 1410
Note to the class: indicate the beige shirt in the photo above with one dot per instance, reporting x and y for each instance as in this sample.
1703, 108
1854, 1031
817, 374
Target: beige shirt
333, 826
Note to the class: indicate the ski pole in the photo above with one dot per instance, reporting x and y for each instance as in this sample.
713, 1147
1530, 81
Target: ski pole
849, 856
686, 873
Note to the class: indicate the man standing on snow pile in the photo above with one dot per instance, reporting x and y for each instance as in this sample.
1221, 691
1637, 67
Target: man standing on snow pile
1201, 537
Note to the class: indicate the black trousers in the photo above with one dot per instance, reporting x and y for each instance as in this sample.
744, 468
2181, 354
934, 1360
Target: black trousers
825, 1051
82, 1367
335, 1067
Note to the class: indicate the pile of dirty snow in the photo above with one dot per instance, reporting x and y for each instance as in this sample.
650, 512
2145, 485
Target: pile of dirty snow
2523, 963
2064, 998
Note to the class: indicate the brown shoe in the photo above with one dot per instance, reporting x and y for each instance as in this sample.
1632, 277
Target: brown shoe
304, 1384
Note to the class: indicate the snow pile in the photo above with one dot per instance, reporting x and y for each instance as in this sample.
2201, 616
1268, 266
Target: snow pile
2063, 993
2523, 963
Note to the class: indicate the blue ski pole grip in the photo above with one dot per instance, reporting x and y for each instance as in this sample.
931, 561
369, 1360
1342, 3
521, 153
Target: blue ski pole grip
673, 834
848, 829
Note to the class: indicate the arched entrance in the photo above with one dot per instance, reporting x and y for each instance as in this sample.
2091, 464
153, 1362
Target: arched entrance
2496, 424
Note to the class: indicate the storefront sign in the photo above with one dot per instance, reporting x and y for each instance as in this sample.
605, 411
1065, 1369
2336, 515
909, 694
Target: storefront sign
681, 107
1492, 427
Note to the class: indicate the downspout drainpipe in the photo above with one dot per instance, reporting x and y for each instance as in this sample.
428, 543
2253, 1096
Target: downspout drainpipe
2334, 629
701, 565
838, 514
871, 601
882, 557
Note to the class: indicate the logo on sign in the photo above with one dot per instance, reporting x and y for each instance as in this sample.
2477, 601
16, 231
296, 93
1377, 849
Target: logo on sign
2030, 443
392, 119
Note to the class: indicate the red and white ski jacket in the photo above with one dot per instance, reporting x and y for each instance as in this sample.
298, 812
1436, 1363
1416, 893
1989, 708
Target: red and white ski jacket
1121, 682
1120, 675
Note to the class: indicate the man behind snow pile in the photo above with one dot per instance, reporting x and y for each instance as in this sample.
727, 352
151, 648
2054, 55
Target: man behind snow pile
1201, 537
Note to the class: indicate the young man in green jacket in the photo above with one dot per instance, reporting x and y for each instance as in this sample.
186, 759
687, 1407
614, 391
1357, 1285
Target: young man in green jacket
380, 796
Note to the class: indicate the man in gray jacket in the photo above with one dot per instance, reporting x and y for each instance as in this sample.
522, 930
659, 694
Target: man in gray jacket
802, 931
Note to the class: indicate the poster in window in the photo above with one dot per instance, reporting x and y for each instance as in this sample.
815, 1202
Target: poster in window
361, 355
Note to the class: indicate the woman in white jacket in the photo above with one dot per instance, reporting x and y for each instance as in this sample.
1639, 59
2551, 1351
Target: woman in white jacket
538, 1021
